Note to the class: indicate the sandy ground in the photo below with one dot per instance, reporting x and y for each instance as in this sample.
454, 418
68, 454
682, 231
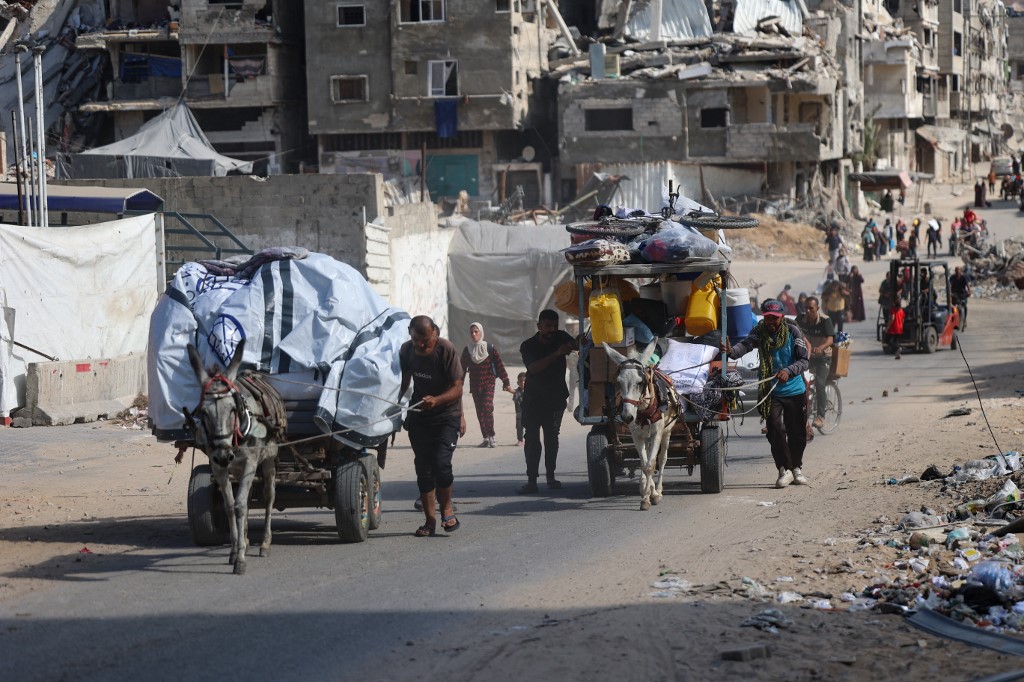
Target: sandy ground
110, 496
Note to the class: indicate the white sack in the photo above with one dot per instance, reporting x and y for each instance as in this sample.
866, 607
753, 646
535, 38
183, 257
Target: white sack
687, 364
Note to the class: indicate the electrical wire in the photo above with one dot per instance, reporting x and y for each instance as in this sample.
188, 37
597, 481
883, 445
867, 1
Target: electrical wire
960, 347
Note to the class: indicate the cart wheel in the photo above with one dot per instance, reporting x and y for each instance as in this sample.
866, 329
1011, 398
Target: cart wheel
351, 501
833, 408
712, 460
931, 340
373, 475
206, 516
599, 470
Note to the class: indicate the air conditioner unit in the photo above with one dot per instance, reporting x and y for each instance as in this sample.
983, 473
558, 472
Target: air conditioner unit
611, 66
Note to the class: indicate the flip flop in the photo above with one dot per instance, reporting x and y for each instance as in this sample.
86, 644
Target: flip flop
425, 531
450, 527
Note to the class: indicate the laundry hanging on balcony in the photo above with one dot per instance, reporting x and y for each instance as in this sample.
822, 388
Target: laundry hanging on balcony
246, 68
446, 117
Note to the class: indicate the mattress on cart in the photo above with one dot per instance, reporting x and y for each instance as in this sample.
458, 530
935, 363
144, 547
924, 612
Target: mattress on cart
309, 320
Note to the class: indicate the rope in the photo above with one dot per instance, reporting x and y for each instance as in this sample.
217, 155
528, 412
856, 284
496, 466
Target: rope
960, 347
737, 414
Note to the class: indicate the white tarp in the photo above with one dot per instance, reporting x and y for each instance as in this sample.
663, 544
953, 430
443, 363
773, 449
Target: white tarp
170, 145
679, 19
749, 12
78, 292
309, 317
502, 276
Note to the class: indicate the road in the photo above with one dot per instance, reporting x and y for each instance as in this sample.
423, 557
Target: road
396, 606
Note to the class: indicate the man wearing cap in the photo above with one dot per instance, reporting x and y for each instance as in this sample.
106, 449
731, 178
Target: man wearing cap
782, 348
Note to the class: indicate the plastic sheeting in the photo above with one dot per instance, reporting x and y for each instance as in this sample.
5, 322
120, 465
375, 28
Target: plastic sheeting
503, 276
749, 12
170, 145
297, 316
78, 292
679, 19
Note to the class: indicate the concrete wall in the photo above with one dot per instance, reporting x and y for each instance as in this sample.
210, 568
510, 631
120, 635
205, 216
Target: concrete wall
322, 213
419, 262
83, 390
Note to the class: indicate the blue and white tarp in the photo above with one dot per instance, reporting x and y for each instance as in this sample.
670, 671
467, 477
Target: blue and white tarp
306, 319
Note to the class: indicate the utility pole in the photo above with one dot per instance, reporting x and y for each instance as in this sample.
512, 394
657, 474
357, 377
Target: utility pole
44, 209
19, 50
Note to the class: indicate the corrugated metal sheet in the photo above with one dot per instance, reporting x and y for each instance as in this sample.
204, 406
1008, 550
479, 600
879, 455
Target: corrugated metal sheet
679, 19
749, 12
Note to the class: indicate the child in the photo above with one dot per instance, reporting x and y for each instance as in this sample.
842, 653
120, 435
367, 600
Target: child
895, 329
517, 400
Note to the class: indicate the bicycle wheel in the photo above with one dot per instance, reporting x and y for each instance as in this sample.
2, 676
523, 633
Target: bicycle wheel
607, 228
833, 408
713, 221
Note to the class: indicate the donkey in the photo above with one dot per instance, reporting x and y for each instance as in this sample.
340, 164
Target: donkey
241, 432
651, 408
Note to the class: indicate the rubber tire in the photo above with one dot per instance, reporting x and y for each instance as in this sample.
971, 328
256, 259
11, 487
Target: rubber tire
712, 460
599, 472
717, 222
351, 501
373, 474
833, 408
206, 516
621, 227
954, 343
931, 340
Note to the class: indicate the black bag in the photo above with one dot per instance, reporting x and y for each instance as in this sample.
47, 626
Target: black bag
652, 313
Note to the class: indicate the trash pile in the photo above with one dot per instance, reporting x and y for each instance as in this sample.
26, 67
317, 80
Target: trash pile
135, 416
965, 562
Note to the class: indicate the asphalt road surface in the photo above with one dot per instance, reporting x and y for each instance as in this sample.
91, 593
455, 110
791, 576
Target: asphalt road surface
317, 609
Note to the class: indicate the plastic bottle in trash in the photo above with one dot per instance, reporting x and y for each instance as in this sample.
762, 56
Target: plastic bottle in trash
992, 574
606, 316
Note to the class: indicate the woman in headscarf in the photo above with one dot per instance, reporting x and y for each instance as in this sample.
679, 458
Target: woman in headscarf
856, 295
481, 362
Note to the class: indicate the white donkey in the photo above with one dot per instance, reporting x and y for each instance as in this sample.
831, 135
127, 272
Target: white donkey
644, 392
241, 432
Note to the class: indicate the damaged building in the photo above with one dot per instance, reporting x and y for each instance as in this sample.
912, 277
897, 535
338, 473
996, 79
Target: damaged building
237, 65
757, 107
448, 85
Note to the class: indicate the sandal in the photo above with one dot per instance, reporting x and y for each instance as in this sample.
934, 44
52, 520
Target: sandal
425, 531
450, 523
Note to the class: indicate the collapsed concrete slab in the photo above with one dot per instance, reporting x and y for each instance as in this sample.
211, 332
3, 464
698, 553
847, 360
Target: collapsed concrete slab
73, 391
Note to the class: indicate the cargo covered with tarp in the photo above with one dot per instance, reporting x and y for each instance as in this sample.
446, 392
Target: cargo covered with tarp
310, 322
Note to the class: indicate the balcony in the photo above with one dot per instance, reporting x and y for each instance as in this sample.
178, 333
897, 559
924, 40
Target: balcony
896, 52
259, 90
101, 40
153, 87
894, 105
768, 142
935, 106
222, 24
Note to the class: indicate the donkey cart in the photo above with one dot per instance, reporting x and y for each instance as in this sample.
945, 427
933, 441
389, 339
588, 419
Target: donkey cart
695, 439
312, 470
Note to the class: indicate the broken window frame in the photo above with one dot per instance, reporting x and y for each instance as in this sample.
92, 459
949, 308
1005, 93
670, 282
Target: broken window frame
436, 9
450, 71
343, 6
724, 112
608, 119
503, 6
365, 85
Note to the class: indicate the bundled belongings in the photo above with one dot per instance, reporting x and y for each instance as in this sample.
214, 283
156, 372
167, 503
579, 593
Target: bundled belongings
310, 322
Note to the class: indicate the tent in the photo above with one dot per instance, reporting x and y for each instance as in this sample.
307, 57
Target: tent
170, 145
502, 276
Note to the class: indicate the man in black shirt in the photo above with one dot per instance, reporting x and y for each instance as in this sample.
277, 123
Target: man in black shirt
960, 291
820, 332
544, 398
435, 421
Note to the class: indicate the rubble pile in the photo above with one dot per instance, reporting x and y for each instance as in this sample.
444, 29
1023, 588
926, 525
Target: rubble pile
998, 271
964, 562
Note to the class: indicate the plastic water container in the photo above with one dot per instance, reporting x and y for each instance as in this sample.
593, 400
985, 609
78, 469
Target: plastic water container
606, 316
702, 310
738, 313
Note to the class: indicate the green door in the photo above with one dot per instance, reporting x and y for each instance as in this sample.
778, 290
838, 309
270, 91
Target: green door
448, 174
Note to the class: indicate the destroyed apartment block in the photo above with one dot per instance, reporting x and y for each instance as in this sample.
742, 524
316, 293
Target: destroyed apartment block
724, 114
236, 65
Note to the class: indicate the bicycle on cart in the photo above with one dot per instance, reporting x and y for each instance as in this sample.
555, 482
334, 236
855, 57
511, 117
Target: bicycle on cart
833, 405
